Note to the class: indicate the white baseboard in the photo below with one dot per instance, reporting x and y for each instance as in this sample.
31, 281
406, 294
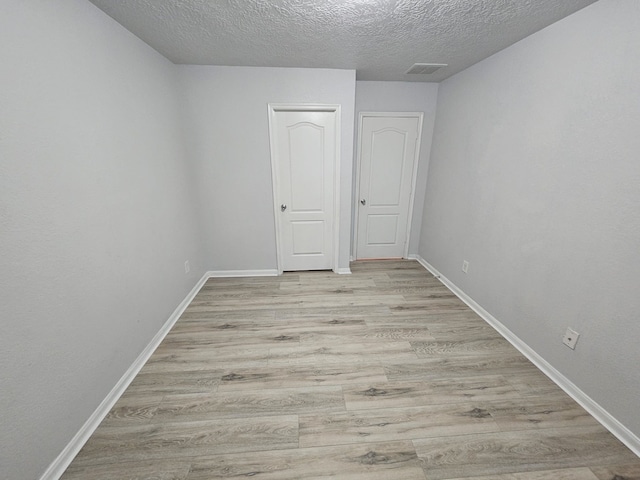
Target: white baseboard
242, 273
607, 420
60, 464
343, 271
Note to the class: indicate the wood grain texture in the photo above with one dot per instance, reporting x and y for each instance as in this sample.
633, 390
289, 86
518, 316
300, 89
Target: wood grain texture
382, 374
149, 384
250, 403
183, 440
394, 424
133, 409
618, 472
299, 376
332, 354
462, 366
517, 451
564, 474
172, 469
534, 383
435, 392
384, 461
539, 412
456, 348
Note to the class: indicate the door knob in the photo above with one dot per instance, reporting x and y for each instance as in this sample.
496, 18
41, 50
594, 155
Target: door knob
363, 201
283, 207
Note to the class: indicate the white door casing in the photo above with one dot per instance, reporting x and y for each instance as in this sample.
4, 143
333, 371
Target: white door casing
305, 168
388, 150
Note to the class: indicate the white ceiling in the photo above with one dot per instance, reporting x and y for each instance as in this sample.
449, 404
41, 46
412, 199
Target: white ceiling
380, 39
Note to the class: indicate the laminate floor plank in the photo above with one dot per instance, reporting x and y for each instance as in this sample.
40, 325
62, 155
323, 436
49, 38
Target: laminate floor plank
534, 383
519, 451
393, 424
184, 440
346, 313
446, 322
175, 365
133, 409
380, 375
366, 335
618, 472
418, 308
461, 330
435, 392
473, 347
171, 469
384, 461
244, 403
251, 330
183, 381
319, 301
424, 369
331, 354
299, 376
240, 339
330, 286
563, 474
539, 412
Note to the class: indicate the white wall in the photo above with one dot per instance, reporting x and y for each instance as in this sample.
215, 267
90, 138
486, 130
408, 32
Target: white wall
534, 179
95, 218
403, 97
228, 137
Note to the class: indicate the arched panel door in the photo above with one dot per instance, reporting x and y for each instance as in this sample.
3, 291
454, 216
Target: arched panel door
388, 156
304, 159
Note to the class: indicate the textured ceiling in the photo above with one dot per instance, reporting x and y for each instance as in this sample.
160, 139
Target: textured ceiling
380, 39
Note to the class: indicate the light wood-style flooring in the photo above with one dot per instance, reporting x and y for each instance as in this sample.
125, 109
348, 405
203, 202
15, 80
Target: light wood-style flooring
382, 374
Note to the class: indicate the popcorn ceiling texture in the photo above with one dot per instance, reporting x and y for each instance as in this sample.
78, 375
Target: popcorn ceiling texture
381, 39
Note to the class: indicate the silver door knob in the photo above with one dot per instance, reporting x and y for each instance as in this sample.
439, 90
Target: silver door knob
283, 207
363, 201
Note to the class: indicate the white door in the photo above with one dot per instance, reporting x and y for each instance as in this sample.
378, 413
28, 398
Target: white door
303, 150
389, 147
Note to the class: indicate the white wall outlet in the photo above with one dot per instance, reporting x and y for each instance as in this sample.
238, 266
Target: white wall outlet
465, 266
187, 268
570, 338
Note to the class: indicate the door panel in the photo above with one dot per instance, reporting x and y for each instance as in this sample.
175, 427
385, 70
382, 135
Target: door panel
387, 162
388, 154
304, 155
308, 237
382, 229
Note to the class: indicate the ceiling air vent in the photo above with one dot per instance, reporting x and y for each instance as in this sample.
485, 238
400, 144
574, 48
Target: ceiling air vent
425, 68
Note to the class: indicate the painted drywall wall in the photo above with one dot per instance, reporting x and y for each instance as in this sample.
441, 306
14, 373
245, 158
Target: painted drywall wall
95, 218
228, 137
402, 97
534, 179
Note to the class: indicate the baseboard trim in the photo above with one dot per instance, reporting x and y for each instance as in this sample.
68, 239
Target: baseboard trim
343, 271
607, 420
62, 462
242, 273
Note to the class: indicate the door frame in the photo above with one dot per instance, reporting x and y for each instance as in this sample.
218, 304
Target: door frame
274, 108
414, 178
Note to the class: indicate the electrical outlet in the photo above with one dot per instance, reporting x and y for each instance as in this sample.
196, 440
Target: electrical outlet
570, 338
187, 268
465, 266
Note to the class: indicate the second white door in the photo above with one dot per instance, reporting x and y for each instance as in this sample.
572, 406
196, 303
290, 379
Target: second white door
389, 148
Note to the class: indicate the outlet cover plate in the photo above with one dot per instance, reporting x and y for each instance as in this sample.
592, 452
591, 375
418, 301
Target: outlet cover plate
465, 266
570, 338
